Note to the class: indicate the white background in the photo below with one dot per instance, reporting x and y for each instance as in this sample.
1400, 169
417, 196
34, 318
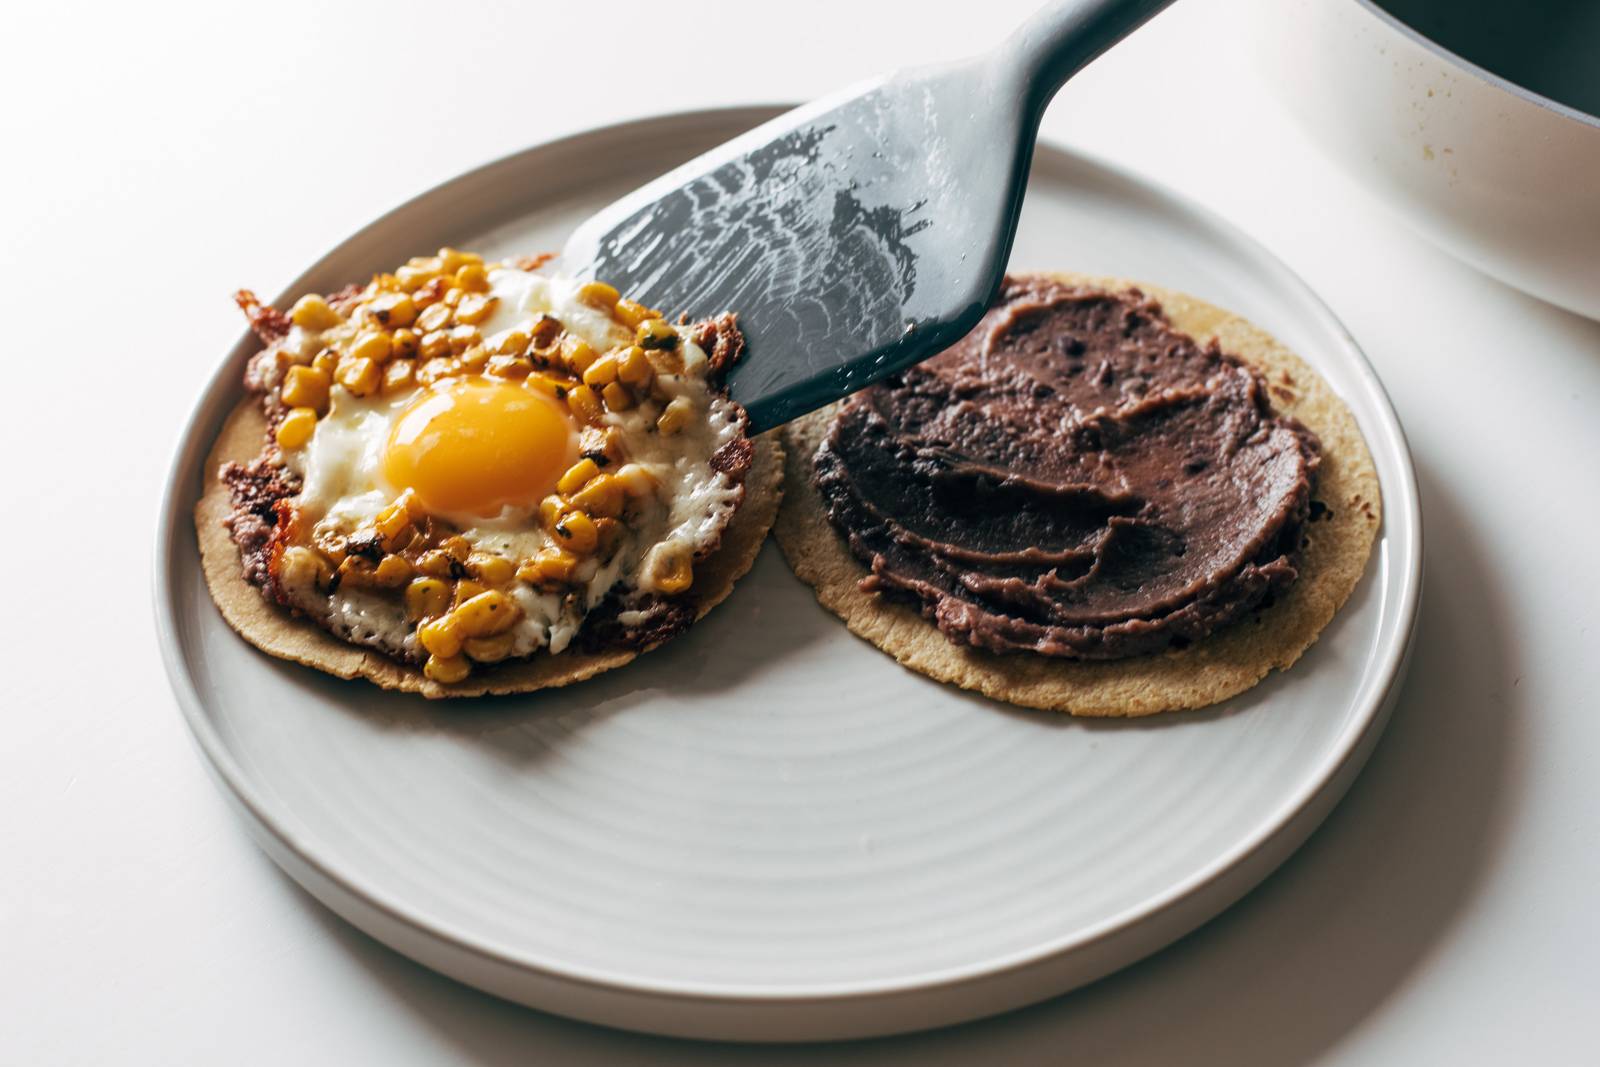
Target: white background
156, 159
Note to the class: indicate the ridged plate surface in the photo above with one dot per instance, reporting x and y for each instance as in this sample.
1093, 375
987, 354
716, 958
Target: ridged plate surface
769, 829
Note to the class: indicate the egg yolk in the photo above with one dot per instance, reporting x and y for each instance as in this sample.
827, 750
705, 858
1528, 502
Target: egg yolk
477, 444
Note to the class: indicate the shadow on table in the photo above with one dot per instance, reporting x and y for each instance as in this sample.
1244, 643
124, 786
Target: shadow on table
1318, 949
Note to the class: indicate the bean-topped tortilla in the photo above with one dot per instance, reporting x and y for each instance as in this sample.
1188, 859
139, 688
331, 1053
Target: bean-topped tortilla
1074, 478
1109, 499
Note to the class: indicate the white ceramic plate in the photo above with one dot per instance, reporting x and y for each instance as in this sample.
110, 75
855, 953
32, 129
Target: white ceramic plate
768, 829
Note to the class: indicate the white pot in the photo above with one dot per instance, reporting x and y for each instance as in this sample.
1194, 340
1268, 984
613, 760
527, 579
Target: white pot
1501, 177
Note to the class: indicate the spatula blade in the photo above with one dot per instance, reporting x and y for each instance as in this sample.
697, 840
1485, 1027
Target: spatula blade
854, 236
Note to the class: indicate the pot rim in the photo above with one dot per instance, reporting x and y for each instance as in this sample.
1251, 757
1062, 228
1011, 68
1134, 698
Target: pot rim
1482, 73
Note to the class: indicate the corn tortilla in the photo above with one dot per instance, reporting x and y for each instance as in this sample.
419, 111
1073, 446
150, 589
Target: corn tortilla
280, 634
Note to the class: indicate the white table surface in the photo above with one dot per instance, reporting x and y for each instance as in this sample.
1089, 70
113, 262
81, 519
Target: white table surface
157, 158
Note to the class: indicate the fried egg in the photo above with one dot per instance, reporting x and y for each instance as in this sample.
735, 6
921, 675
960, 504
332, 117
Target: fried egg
555, 449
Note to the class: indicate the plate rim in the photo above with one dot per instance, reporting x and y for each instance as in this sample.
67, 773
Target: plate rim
1352, 744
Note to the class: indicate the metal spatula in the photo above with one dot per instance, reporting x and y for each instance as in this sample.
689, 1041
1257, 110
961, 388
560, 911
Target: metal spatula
859, 234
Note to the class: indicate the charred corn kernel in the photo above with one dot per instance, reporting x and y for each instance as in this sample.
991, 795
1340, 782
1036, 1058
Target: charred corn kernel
439, 366
442, 636
475, 307
665, 361
474, 359
603, 444
447, 670
311, 312
326, 361
547, 385
510, 342
472, 278
584, 403
676, 416
372, 345
654, 333
458, 548
306, 387
332, 545
669, 567
636, 480
631, 313
429, 294
427, 597
602, 496
433, 317
549, 565
324, 570
618, 397
296, 428
437, 563
433, 344
434, 369
488, 613
411, 277
403, 344
399, 374
489, 649
507, 366
394, 520
466, 589
607, 533
491, 569
633, 367
391, 525
601, 373
550, 509
290, 357
577, 476
393, 310
361, 376
577, 354
463, 338
392, 572
421, 300
354, 573
598, 294
575, 533
303, 568
546, 331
